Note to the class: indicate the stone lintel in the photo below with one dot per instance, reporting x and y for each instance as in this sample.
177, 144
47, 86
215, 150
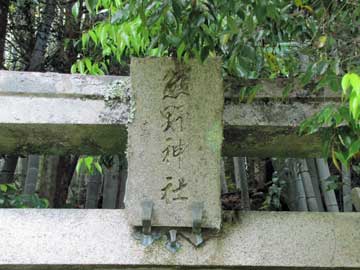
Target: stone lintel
55, 113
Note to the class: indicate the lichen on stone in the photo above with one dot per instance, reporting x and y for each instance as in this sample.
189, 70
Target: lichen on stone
118, 91
116, 95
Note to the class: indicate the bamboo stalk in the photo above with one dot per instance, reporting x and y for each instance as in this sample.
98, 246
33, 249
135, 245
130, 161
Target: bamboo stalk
122, 188
311, 164
282, 168
8, 169
81, 189
236, 161
224, 186
111, 183
32, 174
92, 191
22, 165
48, 170
355, 194
329, 195
311, 199
301, 203
244, 187
346, 188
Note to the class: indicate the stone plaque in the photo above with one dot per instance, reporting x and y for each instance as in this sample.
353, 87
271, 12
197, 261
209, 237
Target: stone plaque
174, 143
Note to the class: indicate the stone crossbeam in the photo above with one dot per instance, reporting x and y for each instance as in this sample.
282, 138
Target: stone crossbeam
62, 113
102, 239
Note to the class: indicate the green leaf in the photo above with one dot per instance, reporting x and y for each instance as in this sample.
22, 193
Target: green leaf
94, 37
354, 104
12, 187
306, 78
298, 3
355, 82
354, 149
180, 50
103, 35
204, 53
321, 42
120, 15
75, 9
340, 156
88, 64
176, 5
345, 83
91, 5
81, 67
84, 41
3, 187
98, 167
322, 67
79, 165
73, 69
88, 162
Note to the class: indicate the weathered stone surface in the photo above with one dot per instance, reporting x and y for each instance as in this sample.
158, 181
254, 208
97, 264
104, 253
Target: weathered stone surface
49, 110
174, 143
55, 84
355, 197
102, 239
63, 113
280, 89
58, 111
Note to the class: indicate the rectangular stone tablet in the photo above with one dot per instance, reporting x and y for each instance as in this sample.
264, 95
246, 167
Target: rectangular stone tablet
174, 141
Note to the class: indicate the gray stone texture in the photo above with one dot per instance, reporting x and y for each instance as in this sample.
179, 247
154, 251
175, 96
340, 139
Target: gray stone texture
61, 113
174, 143
103, 239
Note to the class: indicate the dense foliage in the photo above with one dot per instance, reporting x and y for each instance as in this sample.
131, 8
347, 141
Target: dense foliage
11, 197
256, 39
340, 125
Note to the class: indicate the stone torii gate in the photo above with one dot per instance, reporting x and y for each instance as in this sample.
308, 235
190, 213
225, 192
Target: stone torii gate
54, 113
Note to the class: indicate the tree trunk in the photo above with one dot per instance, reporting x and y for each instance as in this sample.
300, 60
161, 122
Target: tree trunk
42, 36
65, 171
32, 174
4, 9
346, 180
8, 170
111, 185
22, 27
93, 189
329, 195
311, 199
